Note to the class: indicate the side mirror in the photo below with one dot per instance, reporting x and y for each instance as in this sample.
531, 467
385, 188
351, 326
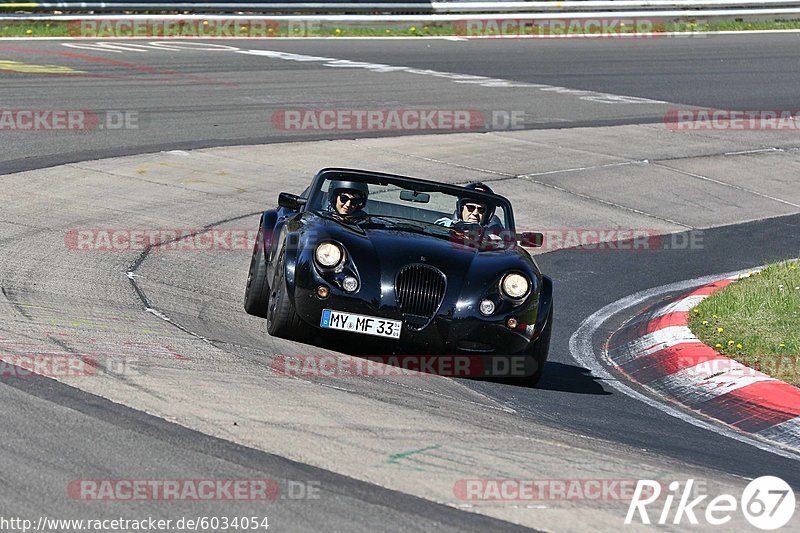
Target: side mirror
531, 239
290, 201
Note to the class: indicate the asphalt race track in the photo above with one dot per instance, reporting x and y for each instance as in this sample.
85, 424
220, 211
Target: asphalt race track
178, 94
206, 152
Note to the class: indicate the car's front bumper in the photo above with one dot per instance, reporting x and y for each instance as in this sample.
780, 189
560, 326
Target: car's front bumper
452, 330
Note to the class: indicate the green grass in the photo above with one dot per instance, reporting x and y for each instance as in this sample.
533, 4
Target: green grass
63, 29
756, 321
36, 29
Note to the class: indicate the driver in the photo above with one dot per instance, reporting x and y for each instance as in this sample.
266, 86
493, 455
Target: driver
348, 198
470, 210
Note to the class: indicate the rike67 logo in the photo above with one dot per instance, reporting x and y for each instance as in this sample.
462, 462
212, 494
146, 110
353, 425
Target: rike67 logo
767, 503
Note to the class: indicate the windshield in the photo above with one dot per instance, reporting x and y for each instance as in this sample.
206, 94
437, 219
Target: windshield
409, 204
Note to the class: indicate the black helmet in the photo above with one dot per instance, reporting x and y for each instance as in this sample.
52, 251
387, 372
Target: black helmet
338, 186
480, 187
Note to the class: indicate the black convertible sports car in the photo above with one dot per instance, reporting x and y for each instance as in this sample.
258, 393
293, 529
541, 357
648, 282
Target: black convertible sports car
431, 267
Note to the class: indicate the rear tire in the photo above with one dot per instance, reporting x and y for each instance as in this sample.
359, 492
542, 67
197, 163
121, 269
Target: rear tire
256, 294
282, 321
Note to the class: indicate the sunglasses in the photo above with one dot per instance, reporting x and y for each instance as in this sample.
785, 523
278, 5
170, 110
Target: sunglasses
473, 207
355, 200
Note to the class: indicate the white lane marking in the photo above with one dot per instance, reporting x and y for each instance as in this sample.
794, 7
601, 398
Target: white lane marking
694, 385
382, 68
653, 342
483, 81
747, 274
582, 351
171, 46
104, 47
755, 151
580, 169
681, 306
155, 312
165, 318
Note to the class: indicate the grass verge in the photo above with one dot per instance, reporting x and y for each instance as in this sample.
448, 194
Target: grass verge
756, 321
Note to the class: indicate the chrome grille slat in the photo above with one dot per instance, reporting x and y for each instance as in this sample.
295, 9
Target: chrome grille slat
420, 290
429, 293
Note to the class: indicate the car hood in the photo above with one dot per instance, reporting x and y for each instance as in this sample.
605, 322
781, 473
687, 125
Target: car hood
379, 253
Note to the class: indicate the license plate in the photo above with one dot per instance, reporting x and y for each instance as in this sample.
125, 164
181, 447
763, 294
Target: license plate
368, 325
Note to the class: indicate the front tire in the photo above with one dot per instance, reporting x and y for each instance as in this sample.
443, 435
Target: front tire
256, 294
538, 350
282, 321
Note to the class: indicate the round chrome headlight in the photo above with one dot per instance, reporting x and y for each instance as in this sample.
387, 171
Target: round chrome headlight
515, 285
328, 254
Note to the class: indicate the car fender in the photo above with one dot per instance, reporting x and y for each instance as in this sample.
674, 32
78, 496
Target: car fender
545, 303
267, 232
286, 240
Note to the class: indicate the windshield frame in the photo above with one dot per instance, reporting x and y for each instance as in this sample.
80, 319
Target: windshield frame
316, 195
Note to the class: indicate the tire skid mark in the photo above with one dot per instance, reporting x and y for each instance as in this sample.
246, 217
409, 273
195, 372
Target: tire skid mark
131, 274
14, 303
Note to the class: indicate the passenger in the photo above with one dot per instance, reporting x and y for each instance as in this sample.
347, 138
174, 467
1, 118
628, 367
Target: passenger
471, 210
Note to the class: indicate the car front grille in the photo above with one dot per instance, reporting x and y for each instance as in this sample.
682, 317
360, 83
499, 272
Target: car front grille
420, 291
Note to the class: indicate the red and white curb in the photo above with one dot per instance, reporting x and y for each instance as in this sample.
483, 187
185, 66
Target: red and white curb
661, 353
